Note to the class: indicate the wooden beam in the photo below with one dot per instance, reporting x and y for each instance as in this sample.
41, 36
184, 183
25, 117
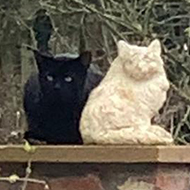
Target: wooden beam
97, 154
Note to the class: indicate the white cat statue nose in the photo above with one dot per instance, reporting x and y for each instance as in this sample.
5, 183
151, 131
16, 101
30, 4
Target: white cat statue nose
120, 109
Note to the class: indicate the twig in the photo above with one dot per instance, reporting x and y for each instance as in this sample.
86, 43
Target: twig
30, 180
172, 125
28, 172
147, 17
113, 30
105, 35
56, 9
178, 128
28, 28
171, 19
182, 141
116, 20
180, 92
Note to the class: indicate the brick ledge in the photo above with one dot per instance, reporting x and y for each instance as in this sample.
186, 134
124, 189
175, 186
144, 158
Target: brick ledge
97, 154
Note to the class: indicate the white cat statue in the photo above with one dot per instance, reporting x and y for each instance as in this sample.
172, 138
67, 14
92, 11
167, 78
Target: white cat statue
120, 109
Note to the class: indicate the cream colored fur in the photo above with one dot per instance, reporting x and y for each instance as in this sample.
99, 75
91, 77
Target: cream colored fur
120, 109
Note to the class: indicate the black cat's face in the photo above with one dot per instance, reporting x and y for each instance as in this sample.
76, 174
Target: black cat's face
62, 79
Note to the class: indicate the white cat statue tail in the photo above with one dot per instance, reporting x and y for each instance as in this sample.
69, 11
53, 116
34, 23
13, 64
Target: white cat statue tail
120, 109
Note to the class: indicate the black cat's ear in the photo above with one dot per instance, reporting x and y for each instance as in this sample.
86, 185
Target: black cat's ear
85, 58
42, 60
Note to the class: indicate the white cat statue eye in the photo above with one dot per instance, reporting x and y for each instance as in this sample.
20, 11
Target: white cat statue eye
120, 109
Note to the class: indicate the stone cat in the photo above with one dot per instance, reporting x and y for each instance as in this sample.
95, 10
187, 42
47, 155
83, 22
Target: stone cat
120, 109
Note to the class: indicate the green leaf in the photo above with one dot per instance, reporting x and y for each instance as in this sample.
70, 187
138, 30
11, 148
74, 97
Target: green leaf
13, 178
29, 148
138, 26
187, 31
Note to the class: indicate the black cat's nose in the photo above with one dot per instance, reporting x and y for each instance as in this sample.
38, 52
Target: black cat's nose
57, 86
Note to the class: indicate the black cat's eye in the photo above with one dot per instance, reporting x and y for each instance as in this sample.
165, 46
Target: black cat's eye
49, 78
68, 79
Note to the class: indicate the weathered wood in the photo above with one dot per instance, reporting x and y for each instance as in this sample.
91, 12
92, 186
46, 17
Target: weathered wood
97, 154
174, 154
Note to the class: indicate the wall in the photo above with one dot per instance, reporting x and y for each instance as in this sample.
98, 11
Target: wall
115, 176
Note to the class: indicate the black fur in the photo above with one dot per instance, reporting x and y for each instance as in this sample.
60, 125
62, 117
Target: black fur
53, 98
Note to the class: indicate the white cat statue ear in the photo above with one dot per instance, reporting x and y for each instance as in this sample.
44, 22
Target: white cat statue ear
155, 47
123, 48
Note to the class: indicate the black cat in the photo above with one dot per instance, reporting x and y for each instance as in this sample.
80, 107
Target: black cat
54, 98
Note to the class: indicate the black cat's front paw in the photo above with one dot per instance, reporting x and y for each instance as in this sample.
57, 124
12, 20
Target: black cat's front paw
32, 139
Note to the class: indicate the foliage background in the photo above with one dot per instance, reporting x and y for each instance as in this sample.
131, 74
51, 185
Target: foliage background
99, 23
